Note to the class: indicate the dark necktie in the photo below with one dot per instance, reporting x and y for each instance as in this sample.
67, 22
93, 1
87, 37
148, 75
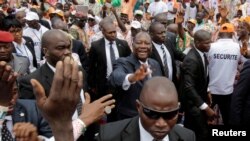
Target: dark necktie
165, 61
6, 134
112, 53
206, 63
79, 107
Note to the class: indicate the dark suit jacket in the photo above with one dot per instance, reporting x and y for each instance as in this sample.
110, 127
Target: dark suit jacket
175, 55
30, 45
127, 99
44, 75
79, 49
27, 111
128, 130
98, 64
240, 104
194, 81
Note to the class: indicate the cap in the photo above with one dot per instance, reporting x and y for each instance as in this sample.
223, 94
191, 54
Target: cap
227, 27
138, 12
58, 12
193, 21
6, 37
30, 16
136, 24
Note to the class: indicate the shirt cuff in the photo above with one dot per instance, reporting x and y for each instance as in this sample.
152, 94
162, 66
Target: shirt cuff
126, 84
203, 106
78, 126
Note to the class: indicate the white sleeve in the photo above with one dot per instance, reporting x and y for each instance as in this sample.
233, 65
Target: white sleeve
126, 84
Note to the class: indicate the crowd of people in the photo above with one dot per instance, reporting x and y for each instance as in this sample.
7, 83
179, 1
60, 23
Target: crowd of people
113, 70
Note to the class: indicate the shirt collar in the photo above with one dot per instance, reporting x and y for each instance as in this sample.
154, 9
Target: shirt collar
51, 67
146, 136
201, 53
156, 45
107, 41
23, 42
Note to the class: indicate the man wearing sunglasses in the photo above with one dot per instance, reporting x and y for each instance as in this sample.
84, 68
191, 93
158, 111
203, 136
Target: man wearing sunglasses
158, 113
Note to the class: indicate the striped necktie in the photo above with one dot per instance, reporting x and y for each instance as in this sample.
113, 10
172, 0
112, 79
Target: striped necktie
165, 61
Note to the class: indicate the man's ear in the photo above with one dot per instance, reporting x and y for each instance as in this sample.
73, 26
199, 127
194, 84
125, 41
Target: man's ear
45, 51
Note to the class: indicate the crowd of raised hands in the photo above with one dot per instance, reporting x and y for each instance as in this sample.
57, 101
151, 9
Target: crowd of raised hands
64, 95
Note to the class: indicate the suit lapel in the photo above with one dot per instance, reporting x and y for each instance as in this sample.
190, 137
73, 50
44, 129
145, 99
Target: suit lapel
19, 114
200, 62
49, 74
18, 65
119, 47
131, 133
103, 51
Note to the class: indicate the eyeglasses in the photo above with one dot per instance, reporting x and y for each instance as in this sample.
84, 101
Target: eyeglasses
153, 114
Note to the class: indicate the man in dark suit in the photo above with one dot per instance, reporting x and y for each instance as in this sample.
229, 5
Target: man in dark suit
56, 46
193, 94
170, 37
240, 114
163, 52
103, 53
131, 72
158, 112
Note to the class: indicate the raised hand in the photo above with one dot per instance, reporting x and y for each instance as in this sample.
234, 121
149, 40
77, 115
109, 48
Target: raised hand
179, 18
25, 132
7, 80
60, 105
94, 111
140, 73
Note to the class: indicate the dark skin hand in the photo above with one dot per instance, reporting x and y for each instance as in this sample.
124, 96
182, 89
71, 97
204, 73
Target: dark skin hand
64, 95
7, 80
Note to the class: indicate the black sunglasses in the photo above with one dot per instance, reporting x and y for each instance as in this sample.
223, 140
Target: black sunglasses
153, 114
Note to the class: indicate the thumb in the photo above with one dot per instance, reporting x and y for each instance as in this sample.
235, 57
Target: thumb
87, 98
38, 91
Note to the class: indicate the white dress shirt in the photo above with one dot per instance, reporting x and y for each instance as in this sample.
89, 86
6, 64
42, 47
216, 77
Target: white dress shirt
145, 136
169, 59
107, 49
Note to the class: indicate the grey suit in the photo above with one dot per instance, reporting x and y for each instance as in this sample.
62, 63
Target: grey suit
128, 130
20, 64
126, 99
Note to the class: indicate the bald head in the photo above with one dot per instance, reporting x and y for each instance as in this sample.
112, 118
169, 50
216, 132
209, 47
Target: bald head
159, 17
159, 90
57, 23
49, 36
106, 20
155, 26
173, 28
201, 35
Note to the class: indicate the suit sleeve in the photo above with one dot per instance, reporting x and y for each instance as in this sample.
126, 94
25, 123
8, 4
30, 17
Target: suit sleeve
189, 68
240, 94
83, 55
117, 77
92, 66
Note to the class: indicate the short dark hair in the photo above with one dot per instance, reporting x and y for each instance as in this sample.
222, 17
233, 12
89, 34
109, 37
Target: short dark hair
10, 22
